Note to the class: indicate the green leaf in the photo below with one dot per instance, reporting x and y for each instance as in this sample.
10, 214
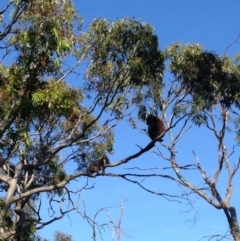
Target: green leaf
55, 32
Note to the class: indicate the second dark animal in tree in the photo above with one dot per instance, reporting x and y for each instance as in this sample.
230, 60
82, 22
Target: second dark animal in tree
156, 127
99, 165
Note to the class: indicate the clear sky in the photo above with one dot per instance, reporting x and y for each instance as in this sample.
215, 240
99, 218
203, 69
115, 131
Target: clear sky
214, 24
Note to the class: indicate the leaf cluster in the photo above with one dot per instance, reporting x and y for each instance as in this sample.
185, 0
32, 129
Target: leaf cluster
41, 115
207, 77
125, 58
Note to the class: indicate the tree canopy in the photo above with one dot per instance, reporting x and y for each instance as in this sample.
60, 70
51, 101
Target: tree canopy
47, 122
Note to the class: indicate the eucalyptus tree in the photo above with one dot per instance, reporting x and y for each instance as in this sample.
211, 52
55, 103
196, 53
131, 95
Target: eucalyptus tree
52, 115
46, 123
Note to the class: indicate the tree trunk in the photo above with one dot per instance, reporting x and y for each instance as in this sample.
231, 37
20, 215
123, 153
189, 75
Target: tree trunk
233, 223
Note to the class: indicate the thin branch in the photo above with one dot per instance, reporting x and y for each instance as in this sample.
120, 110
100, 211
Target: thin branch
231, 44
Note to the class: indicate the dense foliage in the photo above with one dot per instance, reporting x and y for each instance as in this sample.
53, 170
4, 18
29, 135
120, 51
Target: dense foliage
41, 115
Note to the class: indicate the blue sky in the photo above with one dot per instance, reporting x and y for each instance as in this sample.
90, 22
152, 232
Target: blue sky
214, 25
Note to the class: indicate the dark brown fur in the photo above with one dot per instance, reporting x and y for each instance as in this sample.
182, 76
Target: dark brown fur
156, 127
99, 165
